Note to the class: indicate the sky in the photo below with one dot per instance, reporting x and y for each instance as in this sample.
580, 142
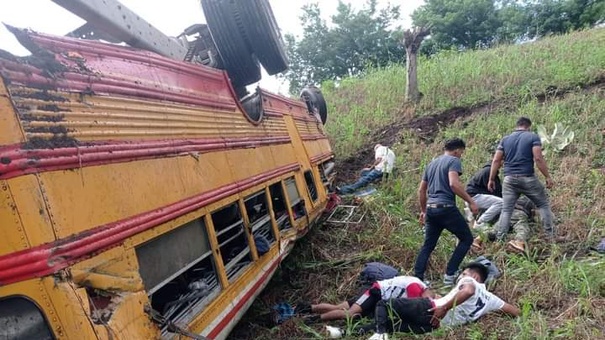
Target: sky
170, 17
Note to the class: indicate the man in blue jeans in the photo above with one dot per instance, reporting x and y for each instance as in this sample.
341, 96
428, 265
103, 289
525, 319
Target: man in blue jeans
520, 150
437, 195
384, 159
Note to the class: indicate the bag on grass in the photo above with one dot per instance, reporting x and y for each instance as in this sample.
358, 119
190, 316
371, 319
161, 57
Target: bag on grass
493, 273
376, 271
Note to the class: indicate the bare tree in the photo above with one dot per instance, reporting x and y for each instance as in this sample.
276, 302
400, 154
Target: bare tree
412, 40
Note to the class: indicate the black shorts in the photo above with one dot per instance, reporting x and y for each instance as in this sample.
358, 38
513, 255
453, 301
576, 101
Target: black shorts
368, 300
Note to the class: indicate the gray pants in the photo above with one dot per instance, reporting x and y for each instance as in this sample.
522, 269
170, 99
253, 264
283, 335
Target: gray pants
490, 204
531, 187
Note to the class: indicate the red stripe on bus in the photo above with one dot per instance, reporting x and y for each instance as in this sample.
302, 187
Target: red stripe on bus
321, 157
229, 317
49, 258
15, 160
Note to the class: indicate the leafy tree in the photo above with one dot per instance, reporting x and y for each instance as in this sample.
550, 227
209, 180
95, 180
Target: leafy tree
562, 16
459, 24
352, 42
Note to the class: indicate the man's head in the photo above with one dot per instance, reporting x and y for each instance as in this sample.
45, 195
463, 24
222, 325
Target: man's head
377, 146
475, 270
523, 123
455, 147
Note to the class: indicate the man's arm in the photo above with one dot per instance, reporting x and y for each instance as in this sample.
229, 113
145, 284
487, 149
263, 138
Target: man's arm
465, 292
510, 310
459, 190
541, 163
422, 198
496, 164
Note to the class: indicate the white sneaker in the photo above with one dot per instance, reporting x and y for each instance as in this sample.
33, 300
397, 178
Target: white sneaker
480, 225
334, 332
378, 336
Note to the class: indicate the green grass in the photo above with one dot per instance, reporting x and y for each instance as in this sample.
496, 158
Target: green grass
559, 288
359, 106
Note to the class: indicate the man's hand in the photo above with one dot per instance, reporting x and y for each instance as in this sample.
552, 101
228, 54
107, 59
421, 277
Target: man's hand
549, 183
438, 314
474, 208
491, 185
421, 218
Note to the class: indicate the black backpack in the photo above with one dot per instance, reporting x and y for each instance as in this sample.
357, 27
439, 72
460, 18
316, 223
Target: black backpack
376, 271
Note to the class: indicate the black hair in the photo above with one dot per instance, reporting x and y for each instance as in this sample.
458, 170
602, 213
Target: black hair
478, 268
523, 122
453, 144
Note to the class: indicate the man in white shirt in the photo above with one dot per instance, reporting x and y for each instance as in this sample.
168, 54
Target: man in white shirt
397, 287
384, 160
466, 302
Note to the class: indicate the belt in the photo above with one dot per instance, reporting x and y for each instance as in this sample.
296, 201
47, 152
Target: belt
519, 175
439, 205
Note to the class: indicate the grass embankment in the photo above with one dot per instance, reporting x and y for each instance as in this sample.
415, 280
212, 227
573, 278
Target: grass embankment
359, 106
559, 288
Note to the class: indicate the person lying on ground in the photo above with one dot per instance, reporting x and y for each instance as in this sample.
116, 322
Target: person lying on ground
384, 160
399, 286
468, 301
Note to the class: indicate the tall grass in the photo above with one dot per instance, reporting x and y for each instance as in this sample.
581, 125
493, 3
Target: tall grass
359, 105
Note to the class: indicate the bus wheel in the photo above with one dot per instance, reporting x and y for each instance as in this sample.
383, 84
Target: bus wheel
257, 23
316, 104
243, 68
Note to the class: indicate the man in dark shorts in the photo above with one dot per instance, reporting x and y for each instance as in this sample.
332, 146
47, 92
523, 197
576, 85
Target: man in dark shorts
519, 151
437, 195
399, 286
466, 302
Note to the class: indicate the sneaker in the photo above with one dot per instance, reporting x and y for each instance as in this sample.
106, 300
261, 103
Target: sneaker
448, 280
517, 246
379, 336
477, 243
334, 332
479, 225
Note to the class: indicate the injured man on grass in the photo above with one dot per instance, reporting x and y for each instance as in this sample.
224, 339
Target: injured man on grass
468, 301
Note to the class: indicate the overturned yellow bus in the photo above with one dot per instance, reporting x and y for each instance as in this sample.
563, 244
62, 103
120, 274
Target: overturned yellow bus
144, 192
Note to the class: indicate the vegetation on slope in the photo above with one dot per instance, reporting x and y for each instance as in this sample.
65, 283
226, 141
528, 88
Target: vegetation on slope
560, 288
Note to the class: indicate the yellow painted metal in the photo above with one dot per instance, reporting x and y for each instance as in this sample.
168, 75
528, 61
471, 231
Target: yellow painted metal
40, 208
248, 229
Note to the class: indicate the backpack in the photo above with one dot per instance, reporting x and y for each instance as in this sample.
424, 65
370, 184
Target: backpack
493, 273
376, 271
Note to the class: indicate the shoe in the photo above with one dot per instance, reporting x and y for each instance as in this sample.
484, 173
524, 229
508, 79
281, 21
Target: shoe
334, 332
477, 243
378, 336
479, 225
516, 245
448, 280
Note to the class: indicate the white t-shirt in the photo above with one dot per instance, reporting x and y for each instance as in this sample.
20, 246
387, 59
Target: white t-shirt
398, 287
387, 159
481, 303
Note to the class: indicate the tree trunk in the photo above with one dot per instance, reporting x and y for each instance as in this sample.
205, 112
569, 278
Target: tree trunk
412, 40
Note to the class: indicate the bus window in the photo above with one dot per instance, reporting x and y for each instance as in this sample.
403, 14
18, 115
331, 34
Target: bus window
279, 206
260, 222
296, 202
178, 271
232, 240
311, 185
22, 319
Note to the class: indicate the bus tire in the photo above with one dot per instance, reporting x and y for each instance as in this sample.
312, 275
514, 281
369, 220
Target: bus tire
257, 24
315, 101
243, 68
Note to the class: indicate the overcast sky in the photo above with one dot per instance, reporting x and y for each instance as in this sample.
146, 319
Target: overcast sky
170, 17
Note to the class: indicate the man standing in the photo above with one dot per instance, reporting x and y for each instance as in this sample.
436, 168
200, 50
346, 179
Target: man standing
438, 209
384, 159
520, 150
489, 203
